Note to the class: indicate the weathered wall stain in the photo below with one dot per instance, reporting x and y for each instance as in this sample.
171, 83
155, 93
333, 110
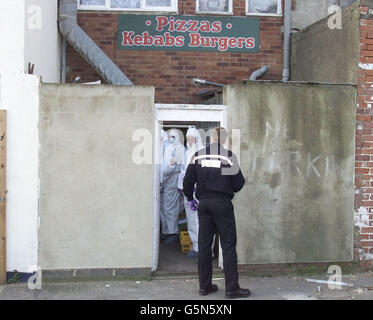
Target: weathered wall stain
275, 180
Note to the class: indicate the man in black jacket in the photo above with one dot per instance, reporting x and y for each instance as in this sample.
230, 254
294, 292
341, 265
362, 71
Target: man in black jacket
218, 176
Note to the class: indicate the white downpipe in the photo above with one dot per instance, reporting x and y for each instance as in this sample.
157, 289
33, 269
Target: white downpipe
286, 52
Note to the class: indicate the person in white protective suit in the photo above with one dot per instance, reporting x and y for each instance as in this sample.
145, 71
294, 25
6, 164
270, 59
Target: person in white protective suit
172, 161
181, 196
164, 144
194, 144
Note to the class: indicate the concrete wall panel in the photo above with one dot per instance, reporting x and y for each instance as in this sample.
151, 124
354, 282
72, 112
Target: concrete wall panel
321, 54
297, 155
95, 204
307, 12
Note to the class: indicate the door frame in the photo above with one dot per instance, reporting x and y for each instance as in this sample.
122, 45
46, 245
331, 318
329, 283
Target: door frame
3, 142
177, 112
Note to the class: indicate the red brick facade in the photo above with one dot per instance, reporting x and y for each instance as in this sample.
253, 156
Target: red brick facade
364, 144
171, 72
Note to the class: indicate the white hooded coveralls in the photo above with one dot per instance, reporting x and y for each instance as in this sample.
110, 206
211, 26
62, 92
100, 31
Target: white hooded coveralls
174, 152
192, 216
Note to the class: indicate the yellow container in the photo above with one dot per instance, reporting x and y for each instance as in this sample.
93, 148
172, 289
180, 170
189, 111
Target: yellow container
186, 244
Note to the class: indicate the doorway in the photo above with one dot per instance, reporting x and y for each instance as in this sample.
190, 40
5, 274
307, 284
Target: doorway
169, 259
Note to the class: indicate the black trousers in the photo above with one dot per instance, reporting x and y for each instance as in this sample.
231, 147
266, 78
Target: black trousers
217, 214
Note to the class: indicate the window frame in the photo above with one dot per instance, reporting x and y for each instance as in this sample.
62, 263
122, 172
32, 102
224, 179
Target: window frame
278, 14
143, 7
229, 12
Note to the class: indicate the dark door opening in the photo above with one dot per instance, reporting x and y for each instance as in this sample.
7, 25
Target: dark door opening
171, 258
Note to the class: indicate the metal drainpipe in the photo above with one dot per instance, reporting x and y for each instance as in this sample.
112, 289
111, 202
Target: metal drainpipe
87, 48
202, 81
63, 61
258, 73
286, 53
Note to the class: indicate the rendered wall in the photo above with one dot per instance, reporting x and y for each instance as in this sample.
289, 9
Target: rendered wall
95, 205
321, 54
307, 12
297, 155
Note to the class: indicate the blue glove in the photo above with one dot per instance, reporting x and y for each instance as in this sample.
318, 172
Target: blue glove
180, 191
193, 205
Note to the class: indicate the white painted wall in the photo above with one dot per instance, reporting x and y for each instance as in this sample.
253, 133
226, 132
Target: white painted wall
12, 33
29, 33
42, 40
20, 97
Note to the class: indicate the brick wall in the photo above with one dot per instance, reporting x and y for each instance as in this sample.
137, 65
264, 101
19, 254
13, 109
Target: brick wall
172, 72
364, 143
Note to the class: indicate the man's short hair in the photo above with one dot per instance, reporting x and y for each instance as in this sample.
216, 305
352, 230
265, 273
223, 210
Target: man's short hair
219, 134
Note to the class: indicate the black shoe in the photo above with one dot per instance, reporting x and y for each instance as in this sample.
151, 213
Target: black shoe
240, 293
204, 292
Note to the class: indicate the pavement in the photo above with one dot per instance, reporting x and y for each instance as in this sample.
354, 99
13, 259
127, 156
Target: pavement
186, 288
